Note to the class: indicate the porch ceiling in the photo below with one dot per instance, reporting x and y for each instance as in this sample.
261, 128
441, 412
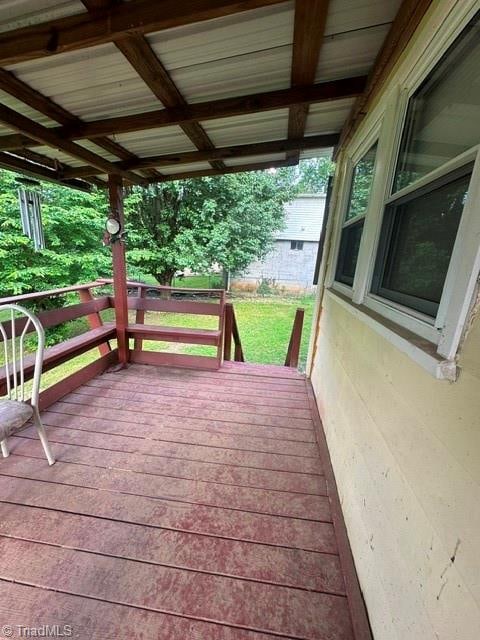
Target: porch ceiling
112, 87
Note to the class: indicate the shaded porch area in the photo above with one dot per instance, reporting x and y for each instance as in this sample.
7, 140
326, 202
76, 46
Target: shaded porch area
183, 504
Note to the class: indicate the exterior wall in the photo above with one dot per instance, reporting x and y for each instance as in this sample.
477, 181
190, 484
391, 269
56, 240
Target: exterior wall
304, 217
406, 453
283, 267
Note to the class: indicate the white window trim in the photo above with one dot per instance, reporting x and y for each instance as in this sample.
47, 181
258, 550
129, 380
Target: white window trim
351, 160
462, 280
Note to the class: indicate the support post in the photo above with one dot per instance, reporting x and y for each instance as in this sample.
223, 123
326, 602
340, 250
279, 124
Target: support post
115, 192
228, 331
139, 318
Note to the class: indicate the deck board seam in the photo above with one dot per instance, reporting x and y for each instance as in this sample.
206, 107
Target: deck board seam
175, 566
52, 409
166, 499
154, 455
273, 634
175, 529
160, 412
164, 475
195, 444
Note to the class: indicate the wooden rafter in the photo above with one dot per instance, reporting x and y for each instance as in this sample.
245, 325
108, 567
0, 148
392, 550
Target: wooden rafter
22, 165
33, 98
52, 139
309, 28
141, 56
136, 16
258, 166
220, 153
402, 29
323, 92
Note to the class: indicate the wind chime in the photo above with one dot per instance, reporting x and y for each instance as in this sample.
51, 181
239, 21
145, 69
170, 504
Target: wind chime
30, 213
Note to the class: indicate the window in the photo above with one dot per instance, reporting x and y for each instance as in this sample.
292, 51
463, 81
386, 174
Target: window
443, 115
420, 224
296, 245
417, 241
351, 234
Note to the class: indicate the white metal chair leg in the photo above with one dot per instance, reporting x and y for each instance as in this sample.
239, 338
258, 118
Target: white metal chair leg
43, 437
5, 451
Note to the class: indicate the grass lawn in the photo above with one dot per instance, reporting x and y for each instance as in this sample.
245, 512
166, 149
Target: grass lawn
264, 324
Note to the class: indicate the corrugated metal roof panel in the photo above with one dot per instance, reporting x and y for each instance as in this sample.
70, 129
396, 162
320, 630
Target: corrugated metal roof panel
21, 107
90, 83
256, 127
271, 157
328, 117
182, 168
227, 37
154, 142
239, 75
316, 153
60, 156
350, 54
98, 150
235, 55
352, 15
22, 13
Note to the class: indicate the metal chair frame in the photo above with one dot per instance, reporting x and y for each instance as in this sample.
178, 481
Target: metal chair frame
14, 370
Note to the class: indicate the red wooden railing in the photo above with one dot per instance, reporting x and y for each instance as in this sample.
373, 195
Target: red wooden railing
231, 332
293, 352
142, 299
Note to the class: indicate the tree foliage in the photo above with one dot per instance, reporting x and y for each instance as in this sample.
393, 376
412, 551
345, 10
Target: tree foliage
229, 220
73, 223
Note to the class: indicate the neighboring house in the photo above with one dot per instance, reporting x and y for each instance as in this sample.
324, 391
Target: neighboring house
290, 264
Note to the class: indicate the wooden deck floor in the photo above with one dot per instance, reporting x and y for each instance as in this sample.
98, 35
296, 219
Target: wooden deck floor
183, 504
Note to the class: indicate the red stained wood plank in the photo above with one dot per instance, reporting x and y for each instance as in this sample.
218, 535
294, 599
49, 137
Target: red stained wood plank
28, 606
244, 389
80, 405
238, 373
170, 377
206, 392
117, 436
281, 503
170, 359
262, 607
202, 405
175, 334
262, 370
29, 445
168, 514
290, 567
174, 305
160, 422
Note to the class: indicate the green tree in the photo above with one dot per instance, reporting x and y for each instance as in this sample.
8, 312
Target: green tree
229, 220
73, 225
311, 175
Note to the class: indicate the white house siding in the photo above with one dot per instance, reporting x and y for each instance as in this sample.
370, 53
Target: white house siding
284, 267
287, 268
406, 453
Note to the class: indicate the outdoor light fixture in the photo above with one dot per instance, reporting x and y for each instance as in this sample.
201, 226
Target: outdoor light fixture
113, 226
113, 231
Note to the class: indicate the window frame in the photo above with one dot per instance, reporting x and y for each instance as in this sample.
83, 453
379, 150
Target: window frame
350, 163
445, 331
296, 243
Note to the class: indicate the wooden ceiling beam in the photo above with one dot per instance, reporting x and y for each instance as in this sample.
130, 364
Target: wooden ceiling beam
408, 17
136, 16
143, 59
309, 30
49, 137
203, 111
259, 166
36, 100
21, 165
220, 153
